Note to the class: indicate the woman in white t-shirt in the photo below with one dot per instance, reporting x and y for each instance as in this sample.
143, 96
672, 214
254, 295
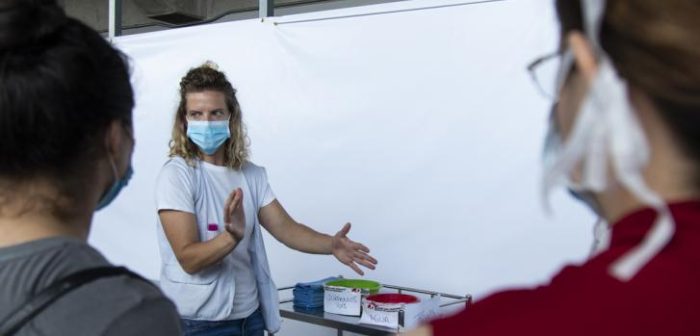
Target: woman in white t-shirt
211, 204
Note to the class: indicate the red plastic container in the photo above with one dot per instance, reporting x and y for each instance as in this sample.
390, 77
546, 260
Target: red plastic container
392, 298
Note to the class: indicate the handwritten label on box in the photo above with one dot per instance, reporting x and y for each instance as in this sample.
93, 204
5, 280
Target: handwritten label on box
386, 315
341, 300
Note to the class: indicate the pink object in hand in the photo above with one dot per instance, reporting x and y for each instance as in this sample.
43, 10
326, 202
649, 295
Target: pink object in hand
212, 227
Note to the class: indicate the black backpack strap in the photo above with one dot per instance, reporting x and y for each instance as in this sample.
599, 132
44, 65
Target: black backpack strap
34, 305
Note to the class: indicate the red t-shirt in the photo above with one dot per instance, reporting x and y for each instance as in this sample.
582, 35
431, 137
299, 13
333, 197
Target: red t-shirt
662, 299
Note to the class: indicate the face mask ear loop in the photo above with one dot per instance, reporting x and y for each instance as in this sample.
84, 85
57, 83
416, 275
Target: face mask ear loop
116, 176
573, 150
628, 162
661, 233
628, 150
114, 168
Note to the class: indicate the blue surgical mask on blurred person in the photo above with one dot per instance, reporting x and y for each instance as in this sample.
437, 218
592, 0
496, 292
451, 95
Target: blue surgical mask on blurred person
208, 135
117, 186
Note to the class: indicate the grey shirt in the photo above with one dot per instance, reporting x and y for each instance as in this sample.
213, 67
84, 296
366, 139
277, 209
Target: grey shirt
117, 305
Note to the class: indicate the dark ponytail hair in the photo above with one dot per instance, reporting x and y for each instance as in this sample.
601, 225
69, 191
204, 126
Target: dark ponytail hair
61, 85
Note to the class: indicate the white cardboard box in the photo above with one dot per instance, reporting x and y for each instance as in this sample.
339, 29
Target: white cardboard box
388, 314
342, 300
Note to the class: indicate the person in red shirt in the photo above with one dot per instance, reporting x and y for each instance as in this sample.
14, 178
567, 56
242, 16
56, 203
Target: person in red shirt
627, 112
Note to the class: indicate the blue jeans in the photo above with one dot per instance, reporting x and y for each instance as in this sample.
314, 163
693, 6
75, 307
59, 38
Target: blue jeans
253, 325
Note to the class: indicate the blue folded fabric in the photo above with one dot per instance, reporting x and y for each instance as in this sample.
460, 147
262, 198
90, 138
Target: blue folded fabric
309, 295
315, 284
301, 294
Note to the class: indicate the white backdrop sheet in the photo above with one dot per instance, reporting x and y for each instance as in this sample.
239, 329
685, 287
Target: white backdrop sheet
417, 123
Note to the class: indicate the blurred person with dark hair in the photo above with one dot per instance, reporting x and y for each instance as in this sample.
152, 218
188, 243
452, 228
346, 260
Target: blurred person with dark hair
66, 141
625, 139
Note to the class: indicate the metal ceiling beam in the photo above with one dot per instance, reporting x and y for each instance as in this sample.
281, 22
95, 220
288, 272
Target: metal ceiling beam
267, 8
115, 18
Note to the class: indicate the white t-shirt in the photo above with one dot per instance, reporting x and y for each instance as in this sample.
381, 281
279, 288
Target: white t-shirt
204, 194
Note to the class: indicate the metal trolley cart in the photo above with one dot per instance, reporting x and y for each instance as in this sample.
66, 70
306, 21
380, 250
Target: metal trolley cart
344, 323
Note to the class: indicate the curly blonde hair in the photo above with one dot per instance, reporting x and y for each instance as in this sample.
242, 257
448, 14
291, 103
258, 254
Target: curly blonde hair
208, 77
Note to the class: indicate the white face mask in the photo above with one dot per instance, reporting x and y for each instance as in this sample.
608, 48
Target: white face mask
606, 134
552, 151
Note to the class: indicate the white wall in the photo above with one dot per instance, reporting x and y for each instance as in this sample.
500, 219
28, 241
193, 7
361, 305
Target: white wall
420, 127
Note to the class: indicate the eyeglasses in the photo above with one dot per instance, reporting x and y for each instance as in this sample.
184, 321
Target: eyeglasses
550, 71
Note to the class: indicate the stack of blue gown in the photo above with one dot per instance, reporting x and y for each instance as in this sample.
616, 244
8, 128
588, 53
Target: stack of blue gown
309, 295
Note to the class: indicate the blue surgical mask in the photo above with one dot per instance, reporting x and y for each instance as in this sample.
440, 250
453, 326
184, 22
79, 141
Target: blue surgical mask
208, 135
119, 184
